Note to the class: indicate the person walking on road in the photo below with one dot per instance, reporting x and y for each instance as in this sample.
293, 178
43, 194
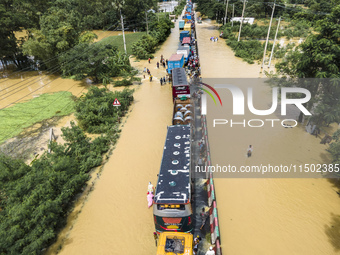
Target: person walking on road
249, 151
161, 81
150, 77
210, 251
150, 188
157, 64
149, 60
156, 237
204, 215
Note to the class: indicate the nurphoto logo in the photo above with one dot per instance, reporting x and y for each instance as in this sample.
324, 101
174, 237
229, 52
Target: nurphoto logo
239, 104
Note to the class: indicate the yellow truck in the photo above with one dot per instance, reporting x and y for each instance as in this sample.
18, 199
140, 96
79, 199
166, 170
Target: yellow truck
187, 27
174, 243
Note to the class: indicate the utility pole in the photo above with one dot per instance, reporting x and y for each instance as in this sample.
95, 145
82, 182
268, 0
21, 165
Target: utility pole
239, 32
226, 12
118, 5
265, 47
122, 22
232, 19
147, 25
277, 30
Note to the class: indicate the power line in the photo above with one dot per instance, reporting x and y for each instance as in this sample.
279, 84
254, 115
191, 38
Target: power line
53, 58
28, 83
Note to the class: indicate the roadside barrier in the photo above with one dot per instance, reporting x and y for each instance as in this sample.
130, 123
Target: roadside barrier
213, 214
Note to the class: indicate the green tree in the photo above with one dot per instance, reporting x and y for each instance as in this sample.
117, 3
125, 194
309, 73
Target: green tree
60, 31
319, 57
96, 61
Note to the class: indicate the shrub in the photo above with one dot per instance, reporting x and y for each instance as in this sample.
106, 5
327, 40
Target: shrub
95, 111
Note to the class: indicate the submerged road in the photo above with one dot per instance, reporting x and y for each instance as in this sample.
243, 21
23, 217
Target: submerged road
267, 216
115, 218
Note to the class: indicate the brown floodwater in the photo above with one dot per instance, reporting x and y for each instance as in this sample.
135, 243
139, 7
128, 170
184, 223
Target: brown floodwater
267, 216
257, 216
23, 86
114, 217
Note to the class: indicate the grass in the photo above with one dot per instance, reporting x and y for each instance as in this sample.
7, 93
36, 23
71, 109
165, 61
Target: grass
22, 115
118, 41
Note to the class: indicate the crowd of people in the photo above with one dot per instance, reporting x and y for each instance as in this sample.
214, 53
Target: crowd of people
214, 39
164, 63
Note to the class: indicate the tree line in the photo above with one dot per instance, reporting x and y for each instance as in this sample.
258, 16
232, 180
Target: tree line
56, 26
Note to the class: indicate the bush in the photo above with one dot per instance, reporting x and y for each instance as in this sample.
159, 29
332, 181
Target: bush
144, 47
159, 31
247, 50
95, 111
96, 61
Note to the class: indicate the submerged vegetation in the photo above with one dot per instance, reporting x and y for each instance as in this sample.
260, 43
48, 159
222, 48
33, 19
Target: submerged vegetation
16, 118
34, 199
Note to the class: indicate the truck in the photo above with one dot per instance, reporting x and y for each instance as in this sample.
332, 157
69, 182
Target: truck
184, 34
187, 27
175, 61
185, 50
181, 24
180, 84
172, 243
182, 114
186, 41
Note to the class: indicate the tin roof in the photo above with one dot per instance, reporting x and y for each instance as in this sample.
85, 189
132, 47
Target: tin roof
179, 77
173, 185
176, 57
184, 48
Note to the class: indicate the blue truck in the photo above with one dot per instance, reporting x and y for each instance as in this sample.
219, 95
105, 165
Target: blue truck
181, 24
175, 61
183, 34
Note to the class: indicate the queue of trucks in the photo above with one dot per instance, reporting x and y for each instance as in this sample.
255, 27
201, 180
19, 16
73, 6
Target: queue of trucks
172, 208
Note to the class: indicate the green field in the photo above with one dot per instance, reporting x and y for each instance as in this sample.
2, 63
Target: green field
118, 41
22, 115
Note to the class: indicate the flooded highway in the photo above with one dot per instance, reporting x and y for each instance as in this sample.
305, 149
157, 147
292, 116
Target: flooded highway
115, 218
267, 216
256, 216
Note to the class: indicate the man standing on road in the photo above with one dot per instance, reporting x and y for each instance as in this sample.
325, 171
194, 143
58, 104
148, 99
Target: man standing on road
249, 151
210, 251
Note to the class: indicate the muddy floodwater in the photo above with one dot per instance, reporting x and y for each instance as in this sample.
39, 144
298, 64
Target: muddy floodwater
115, 218
267, 216
256, 216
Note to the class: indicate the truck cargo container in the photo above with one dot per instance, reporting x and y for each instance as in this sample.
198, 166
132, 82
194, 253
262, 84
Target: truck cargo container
180, 84
185, 50
175, 243
186, 41
184, 34
182, 112
175, 61
181, 24
187, 27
